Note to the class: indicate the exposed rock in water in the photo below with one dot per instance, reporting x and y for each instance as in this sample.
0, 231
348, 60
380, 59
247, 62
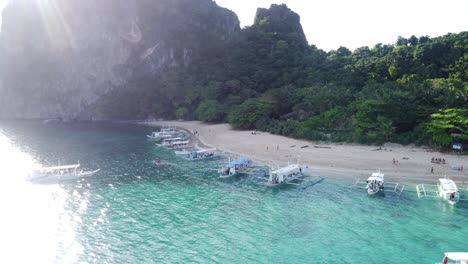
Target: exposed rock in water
58, 58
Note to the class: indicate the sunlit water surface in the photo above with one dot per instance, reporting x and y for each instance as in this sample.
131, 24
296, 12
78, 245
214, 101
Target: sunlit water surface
135, 212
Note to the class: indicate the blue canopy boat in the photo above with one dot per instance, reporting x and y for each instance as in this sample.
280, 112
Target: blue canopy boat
234, 167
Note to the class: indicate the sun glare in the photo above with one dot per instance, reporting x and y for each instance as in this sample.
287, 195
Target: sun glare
33, 216
56, 24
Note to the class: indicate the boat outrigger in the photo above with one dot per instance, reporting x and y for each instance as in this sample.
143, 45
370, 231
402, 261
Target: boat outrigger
446, 189
375, 184
60, 173
204, 154
235, 167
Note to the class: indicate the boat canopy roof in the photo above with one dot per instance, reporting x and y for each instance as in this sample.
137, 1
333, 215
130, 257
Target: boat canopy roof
376, 176
174, 139
204, 150
286, 169
457, 256
65, 167
448, 185
167, 129
240, 161
180, 142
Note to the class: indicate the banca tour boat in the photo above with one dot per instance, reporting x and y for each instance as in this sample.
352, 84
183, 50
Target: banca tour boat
293, 174
455, 258
204, 154
446, 189
60, 173
284, 175
163, 133
235, 167
375, 184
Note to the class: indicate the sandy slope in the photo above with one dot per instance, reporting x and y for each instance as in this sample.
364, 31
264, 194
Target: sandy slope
328, 159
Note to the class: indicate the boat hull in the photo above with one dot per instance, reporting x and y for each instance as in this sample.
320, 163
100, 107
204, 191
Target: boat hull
446, 195
373, 192
40, 178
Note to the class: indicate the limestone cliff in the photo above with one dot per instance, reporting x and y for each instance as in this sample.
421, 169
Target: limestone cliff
59, 57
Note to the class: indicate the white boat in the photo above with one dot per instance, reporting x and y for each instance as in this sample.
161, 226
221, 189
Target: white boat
375, 183
285, 174
448, 190
179, 144
161, 135
153, 135
167, 142
60, 173
455, 258
204, 154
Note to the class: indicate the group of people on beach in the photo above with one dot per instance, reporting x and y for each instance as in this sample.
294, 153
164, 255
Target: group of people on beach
438, 160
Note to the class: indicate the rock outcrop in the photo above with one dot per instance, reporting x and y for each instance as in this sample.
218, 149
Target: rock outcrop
58, 58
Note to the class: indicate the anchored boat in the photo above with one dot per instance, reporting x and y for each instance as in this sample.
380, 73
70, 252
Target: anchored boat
60, 173
446, 189
204, 154
375, 183
163, 133
455, 257
240, 165
284, 175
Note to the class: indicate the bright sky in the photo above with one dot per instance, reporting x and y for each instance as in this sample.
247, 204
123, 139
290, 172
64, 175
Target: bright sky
2, 5
329, 24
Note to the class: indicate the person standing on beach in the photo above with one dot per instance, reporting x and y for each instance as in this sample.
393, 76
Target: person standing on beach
432, 170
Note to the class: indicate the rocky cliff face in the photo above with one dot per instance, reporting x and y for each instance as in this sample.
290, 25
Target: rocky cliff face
59, 57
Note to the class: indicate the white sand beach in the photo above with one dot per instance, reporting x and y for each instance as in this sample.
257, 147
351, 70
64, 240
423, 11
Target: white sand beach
412, 164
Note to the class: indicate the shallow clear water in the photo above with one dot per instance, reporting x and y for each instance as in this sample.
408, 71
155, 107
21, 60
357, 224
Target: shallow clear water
135, 212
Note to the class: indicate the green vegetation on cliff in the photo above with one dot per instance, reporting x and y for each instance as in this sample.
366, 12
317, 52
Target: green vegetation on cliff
194, 62
271, 79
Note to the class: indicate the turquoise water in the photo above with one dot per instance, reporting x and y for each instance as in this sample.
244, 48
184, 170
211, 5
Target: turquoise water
135, 212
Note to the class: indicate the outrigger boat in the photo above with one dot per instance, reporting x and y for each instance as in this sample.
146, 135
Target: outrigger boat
60, 173
293, 174
163, 133
446, 189
285, 175
159, 136
375, 184
235, 167
455, 257
204, 154
169, 141
179, 144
